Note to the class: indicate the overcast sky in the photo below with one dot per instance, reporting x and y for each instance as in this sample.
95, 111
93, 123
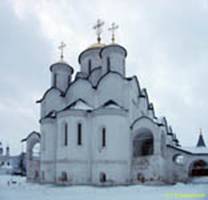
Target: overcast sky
167, 44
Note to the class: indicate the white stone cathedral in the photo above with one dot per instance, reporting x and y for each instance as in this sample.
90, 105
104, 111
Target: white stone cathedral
99, 128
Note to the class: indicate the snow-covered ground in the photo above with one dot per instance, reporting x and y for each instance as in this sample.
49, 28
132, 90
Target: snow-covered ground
26, 191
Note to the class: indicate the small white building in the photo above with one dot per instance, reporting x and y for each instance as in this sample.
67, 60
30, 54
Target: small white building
99, 128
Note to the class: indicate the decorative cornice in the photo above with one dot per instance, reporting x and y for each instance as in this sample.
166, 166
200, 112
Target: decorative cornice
69, 161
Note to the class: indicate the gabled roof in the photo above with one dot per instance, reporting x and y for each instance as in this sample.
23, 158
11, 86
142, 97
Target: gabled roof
112, 104
79, 104
32, 133
49, 90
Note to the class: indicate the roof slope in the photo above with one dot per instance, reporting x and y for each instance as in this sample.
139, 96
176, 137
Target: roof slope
201, 142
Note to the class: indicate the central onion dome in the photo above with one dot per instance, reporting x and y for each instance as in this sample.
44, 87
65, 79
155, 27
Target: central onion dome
89, 59
92, 48
98, 56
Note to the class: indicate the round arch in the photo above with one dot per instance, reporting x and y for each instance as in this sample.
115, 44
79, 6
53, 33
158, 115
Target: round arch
143, 143
198, 168
34, 150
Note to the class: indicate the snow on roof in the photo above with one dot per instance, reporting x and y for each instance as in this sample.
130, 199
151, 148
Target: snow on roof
112, 106
159, 120
81, 105
196, 149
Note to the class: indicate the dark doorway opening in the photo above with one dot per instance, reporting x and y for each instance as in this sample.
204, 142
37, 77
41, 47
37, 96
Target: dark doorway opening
199, 168
102, 177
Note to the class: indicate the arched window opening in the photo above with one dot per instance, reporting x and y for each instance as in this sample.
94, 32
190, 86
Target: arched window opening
54, 80
103, 137
199, 168
124, 62
43, 175
143, 143
108, 64
79, 134
64, 177
89, 66
65, 134
163, 144
43, 142
103, 177
36, 151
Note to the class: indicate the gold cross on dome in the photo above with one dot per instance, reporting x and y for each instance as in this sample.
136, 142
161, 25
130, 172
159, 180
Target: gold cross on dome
61, 48
98, 28
113, 28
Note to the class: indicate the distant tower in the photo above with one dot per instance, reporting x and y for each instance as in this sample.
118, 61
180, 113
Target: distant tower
61, 72
1, 149
7, 151
201, 142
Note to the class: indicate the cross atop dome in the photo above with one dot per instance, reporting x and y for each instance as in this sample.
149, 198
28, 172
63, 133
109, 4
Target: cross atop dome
98, 28
113, 28
61, 48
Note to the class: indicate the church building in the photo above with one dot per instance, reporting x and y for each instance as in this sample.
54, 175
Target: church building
99, 127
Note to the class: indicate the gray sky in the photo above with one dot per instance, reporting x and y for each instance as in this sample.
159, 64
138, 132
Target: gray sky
167, 43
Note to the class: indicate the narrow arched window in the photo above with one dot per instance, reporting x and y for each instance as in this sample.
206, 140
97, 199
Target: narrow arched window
89, 65
65, 134
43, 175
54, 80
79, 134
103, 137
108, 64
43, 142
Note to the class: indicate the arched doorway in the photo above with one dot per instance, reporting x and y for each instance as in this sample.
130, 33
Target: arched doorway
33, 157
64, 177
143, 143
35, 151
198, 168
140, 178
102, 177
